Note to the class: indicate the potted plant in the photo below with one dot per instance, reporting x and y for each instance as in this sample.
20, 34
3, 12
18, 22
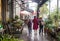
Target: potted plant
7, 37
48, 23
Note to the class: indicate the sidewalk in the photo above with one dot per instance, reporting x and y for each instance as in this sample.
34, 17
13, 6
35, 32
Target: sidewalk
34, 36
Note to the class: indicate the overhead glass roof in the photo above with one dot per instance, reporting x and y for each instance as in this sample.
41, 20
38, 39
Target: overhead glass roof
40, 2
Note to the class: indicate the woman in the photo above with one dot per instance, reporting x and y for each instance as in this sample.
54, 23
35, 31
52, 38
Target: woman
35, 23
35, 27
41, 23
29, 26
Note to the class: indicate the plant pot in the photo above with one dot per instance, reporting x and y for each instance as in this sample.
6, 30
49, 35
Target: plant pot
45, 30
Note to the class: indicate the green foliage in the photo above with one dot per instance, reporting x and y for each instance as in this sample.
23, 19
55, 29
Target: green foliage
21, 40
55, 17
7, 37
18, 23
59, 17
1, 36
55, 14
44, 9
49, 24
16, 17
58, 36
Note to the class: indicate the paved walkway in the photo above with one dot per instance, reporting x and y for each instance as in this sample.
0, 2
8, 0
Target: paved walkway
33, 36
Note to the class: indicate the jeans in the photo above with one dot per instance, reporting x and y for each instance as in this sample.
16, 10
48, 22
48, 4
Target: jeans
30, 30
41, 29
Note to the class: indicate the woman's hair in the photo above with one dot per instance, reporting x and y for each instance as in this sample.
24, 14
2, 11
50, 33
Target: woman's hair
34, 16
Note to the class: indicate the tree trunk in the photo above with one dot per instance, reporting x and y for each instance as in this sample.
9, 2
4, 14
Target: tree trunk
3, 13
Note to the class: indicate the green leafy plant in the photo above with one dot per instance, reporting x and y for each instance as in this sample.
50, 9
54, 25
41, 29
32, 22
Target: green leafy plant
49, 25
16, 17
7, 37
18, 23
21, 40
58, 36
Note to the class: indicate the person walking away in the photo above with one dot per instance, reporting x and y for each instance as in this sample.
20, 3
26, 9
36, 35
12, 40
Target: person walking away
29, 26
40, 25
35, 24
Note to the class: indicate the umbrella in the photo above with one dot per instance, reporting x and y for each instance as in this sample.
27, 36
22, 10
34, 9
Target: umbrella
25, 13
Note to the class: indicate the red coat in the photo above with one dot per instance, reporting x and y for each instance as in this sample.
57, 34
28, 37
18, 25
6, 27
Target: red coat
35, 24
